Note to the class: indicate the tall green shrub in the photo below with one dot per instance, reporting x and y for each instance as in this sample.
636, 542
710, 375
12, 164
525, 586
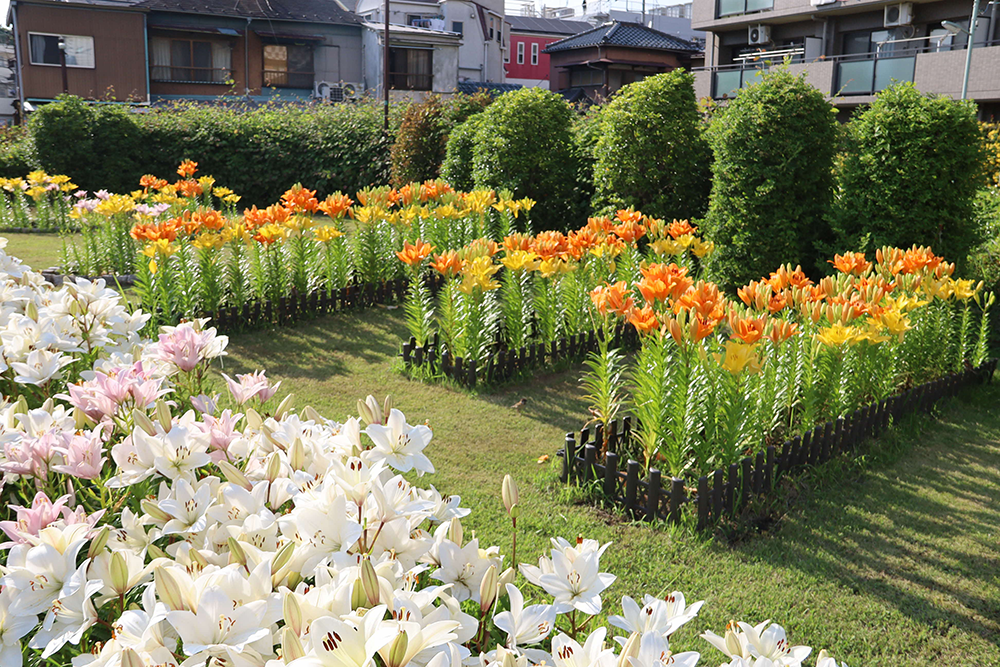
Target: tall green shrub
772, 185
524, 145
99, 145
652, 153
420, 144
910, 174
457, 167
17, 152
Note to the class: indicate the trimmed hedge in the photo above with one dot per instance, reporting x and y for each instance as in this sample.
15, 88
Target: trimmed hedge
774, 146
911, 173
652, 154
258, 152
523, 144
457, 167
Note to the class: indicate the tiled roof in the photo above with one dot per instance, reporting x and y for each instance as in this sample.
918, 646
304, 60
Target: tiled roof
316, 11
621, 33
546, 26
473, 87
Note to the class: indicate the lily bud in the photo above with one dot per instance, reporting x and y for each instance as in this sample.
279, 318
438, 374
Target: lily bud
387, 406
234, 475
284, 407
168, 589
197, 560
455, 531
369, 581
99, 542
292, 612
291, 646
152, 509
74, 308
268, 434
273, 467
488, 589
129, 657
293, 580
236, 552
358, 597
163, 415
48, 404
253, 419
20, 406
514, 511
140, 419
310, 414
733, 645
629, 650
375, 409
81, 420
297, 455
508, 492
508, 660
31, 310
119, 573
156, 552
283, 556
507, 577
397, 652
365, 413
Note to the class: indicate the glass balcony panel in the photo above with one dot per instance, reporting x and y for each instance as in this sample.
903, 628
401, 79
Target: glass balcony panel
856, 77
727, 7
892, 70
759, 5
727, 84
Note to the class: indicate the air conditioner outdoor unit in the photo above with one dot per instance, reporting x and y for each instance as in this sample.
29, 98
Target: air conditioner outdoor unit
337, 92
759, 34
898, 14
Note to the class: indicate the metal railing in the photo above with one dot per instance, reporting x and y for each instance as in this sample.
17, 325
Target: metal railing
170, 74
286, 79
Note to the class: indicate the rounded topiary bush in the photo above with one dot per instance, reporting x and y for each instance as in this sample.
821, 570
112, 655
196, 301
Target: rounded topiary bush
523, 144
912, 168
652, 154
772, 185
457, 167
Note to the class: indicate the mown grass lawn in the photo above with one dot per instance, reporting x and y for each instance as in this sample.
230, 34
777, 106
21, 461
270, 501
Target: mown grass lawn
894, 562
39, 251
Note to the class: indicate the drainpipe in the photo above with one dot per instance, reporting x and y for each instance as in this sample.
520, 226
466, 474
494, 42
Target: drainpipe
246, 59
17, 57
486, 56
145, 41
990, 34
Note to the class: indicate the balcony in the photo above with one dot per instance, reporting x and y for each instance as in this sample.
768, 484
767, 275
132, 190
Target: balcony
737, 7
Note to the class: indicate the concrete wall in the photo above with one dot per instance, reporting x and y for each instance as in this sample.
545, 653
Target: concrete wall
444, 65
943, 72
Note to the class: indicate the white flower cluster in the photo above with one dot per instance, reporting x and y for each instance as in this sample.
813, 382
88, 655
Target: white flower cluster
174, 534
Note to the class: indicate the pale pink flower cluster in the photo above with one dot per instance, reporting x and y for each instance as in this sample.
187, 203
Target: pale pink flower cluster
185, 346
249, 386
119, 390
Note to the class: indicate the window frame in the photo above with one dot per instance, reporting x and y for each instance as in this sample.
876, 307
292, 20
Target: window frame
534, 53
287, 72
31, 55
520, 53
394, 52
460, 25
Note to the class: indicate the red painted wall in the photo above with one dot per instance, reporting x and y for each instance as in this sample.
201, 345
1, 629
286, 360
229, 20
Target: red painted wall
527, 70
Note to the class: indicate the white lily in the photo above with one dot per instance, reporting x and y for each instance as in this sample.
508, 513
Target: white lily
338, 643
567, 652
525, 625
401, 445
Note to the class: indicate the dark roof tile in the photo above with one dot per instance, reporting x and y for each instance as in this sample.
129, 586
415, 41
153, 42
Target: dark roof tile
313, 11
546, 26
622, 33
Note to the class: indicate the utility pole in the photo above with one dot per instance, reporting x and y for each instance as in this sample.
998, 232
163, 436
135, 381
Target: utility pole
62, 64
385, 66
973, 20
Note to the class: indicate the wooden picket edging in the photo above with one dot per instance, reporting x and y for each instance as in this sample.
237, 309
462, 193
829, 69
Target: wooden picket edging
727, 490
502, 363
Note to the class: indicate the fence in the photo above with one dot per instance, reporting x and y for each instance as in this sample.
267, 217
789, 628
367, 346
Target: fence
727, 490
502, 363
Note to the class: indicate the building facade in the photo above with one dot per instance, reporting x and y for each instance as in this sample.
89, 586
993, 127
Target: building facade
527, 63
602, 60
851, 50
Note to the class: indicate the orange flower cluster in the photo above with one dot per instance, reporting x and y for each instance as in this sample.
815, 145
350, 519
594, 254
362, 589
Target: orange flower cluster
298, 199
255, 218
187, 169
336, 205
151, 232
414, 254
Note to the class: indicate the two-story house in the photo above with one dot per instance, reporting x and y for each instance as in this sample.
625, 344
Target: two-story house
152, 50
852, 49
527, 63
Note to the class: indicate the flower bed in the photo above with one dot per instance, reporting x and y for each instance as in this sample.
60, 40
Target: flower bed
726, 491
157, 525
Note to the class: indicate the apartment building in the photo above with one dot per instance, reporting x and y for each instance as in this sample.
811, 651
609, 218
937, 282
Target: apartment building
852, 49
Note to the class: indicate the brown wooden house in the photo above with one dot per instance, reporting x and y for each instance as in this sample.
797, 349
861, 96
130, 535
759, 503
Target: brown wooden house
146, 51
598, 62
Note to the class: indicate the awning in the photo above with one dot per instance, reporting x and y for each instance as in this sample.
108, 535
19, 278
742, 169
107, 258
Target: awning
290, 35
200, 29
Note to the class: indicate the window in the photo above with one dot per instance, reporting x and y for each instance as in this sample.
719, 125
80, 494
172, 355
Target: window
45, 50
730, 7
288, 66
520, 53
410, 69
456, 26
189, 60
534, 54
586, 77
